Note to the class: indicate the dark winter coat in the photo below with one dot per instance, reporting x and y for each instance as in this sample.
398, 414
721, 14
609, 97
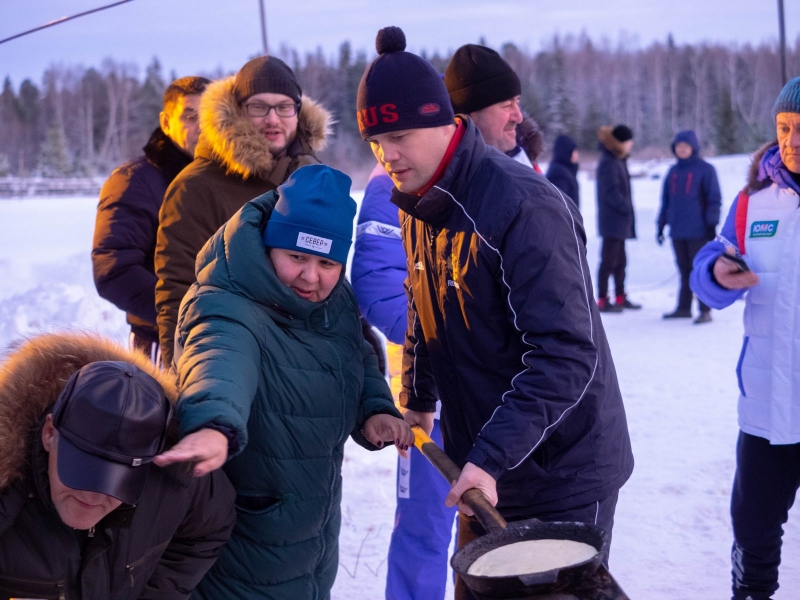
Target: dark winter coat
125, 231
562, 172
291, 379
160, 548
615, 215
690, 198
232, 165
503, 328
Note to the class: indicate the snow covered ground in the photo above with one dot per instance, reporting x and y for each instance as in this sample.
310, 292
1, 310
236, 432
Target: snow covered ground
672, 533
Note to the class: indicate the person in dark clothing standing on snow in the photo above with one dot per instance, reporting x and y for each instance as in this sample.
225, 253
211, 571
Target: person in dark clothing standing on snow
497, 264
83, 513
616, 221
563, 169
127, 215
690, 204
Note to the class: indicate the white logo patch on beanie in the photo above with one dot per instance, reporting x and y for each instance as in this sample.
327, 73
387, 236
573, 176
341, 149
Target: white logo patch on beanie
313, 242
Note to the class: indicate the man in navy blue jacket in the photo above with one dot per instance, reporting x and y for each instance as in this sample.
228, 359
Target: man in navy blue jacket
127, 215
690, 205
501, 322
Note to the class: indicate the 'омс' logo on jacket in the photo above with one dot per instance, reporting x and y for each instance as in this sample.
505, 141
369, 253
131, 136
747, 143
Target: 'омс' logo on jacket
761, 229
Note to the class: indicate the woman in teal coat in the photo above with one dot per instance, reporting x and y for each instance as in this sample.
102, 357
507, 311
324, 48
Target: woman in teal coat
275, 372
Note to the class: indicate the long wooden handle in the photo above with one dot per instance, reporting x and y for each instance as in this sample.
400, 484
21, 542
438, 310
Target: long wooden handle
486, 514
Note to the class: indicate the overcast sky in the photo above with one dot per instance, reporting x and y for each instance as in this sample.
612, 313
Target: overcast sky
191, 36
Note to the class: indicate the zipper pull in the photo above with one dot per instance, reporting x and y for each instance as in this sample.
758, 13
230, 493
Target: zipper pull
325, 312
91, 532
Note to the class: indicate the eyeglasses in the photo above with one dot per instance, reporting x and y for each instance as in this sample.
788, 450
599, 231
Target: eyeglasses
259, 109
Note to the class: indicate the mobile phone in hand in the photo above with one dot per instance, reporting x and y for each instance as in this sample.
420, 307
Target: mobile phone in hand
739, 262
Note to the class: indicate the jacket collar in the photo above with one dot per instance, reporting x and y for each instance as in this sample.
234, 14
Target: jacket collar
228, 137
162, 152
436, 206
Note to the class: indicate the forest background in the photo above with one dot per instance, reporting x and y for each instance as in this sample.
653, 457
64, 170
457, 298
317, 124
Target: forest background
78, 121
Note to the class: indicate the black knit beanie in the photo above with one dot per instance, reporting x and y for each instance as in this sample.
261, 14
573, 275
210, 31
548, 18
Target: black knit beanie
266, 75
477, 77
400, 90
622, 133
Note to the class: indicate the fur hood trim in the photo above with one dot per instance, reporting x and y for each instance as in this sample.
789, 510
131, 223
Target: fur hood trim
32, 376
753, 184
234, 141
612, 144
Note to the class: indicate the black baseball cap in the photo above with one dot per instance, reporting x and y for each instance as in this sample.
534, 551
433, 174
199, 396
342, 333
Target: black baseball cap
111, 419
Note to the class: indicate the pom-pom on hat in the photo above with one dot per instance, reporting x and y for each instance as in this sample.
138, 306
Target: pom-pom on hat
622, 133
266, 75
477, 77
400, 90
314, 214
788, 99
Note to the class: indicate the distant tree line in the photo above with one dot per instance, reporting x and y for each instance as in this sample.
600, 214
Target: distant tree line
86, 121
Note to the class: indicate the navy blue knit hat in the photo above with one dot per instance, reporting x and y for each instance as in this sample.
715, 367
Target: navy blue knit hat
789, 98
400, 90
314, 214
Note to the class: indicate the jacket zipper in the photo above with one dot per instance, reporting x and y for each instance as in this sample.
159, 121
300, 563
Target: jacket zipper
335, 470
138, 562
41, 586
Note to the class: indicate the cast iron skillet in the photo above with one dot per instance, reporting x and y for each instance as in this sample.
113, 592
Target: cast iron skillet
499, 533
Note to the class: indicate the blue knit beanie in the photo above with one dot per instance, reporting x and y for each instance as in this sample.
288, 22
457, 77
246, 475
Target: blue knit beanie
400, 90
314, 214
789, 98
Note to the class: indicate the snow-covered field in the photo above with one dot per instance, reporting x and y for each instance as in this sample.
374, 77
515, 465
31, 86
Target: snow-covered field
672, 532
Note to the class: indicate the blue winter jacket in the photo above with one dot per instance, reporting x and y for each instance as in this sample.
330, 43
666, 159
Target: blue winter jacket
379, 262
690, 198
562, 172
502, 329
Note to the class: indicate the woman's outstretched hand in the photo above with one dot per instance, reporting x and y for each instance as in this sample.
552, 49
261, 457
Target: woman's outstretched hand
386, 428
208, 448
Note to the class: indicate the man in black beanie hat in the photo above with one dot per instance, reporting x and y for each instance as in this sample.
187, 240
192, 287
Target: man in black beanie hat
484, 87
256, 130
501, 323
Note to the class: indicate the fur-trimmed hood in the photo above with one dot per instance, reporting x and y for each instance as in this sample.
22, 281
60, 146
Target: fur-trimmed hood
227, 136
755, 184
32, 376
610, 143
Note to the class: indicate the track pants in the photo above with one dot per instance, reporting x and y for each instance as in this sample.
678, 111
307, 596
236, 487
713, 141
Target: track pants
766, 482
420, 544
685, 251
613, 261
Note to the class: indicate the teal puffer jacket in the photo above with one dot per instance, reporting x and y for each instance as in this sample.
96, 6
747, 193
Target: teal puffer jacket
291, 379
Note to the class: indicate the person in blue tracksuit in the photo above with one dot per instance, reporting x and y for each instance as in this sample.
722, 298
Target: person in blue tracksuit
418, 552
762, 229
690, 202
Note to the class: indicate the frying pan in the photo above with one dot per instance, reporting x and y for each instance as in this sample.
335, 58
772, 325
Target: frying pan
499, 533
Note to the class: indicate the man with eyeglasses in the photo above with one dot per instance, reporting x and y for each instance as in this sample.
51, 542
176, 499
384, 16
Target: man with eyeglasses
127, 215
257, 129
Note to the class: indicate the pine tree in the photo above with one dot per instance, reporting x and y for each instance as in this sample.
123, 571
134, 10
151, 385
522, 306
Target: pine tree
5, 166
725, 138
561, 110
54, 157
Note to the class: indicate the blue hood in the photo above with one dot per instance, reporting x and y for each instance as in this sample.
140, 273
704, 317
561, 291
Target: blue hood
689, 137
563, 148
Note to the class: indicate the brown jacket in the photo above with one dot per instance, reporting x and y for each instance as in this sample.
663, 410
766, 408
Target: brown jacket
232, 165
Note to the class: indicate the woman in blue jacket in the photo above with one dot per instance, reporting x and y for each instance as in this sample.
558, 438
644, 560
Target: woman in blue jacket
690, 202
563, 169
